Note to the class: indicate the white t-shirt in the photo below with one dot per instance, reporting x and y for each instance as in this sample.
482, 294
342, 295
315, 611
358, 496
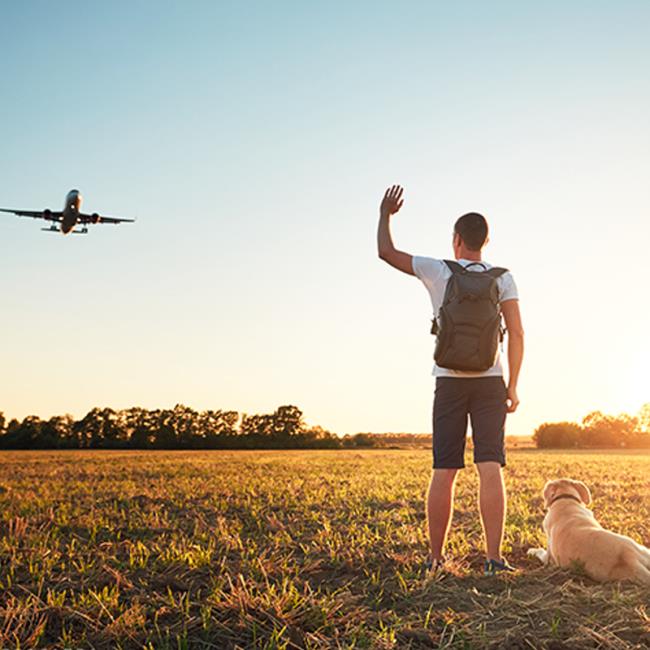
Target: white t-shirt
435, 274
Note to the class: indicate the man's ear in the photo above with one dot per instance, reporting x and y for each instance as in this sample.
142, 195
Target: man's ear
583, 491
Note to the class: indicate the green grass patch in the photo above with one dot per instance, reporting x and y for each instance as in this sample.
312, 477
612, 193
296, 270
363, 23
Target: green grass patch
295, 549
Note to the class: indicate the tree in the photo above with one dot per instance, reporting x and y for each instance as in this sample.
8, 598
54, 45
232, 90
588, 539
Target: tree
217, 429
164, 432
256, 425
361, 440
57, 432
287, 421
319, 438
137, 424
644, 418
23, 435
281, 429
113, 435
89, 429
184, 421
179, 428
561, 435
100, 429
601, 430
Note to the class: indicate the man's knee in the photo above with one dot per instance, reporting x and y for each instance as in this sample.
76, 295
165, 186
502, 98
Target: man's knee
489, 470
443, 476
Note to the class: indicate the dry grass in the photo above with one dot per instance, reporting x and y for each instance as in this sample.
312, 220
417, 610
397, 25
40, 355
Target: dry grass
294, 550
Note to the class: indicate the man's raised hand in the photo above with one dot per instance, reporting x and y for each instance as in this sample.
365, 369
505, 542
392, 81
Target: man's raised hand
392, 201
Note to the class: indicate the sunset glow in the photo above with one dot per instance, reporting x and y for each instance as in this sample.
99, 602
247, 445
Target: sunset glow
254, 146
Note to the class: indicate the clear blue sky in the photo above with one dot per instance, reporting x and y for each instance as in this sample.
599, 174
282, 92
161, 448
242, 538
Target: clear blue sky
253, 142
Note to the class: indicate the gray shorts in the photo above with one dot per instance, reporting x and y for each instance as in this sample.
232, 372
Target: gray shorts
483, 400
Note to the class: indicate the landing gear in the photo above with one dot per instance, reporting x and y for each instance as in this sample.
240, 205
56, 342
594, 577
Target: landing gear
81, 231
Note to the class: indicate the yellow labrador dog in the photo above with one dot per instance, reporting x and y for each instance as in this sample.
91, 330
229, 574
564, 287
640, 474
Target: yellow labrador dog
575, 537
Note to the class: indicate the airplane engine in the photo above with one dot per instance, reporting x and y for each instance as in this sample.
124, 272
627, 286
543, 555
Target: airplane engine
95, 218
47, 213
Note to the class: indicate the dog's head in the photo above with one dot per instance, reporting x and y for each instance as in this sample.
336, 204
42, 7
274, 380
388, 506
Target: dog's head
578, 489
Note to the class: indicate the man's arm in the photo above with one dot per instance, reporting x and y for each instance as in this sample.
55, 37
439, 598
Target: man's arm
512, 316
390, 204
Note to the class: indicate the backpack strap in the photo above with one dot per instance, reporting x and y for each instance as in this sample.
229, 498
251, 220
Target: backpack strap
454, 267
497, 272
476, 264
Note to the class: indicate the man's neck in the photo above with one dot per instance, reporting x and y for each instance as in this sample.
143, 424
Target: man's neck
472, 256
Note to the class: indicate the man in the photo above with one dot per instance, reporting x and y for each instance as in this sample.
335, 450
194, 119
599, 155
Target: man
481, 395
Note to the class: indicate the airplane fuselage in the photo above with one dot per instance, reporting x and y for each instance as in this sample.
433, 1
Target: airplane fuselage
71, 211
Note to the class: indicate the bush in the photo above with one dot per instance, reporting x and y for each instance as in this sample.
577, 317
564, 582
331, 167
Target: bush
563, 435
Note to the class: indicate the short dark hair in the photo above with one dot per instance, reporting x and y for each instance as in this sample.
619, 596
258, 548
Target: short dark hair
473, 230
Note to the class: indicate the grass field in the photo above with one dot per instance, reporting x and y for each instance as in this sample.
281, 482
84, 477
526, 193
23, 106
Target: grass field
295, 550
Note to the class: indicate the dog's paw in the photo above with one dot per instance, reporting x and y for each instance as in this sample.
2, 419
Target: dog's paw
540, 553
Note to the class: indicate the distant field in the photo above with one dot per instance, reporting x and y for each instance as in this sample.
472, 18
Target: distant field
295, 549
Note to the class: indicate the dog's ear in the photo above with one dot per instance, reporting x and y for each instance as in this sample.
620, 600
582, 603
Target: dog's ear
549, 492
583, 491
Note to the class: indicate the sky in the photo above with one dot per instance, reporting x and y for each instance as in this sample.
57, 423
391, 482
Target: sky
253, 143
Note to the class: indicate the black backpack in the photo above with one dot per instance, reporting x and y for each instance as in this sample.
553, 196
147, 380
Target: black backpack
468, 327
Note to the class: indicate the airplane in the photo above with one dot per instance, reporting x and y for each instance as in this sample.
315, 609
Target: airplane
69, 217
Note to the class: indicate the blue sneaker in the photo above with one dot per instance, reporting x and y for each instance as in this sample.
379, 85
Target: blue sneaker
435, 566
493, 567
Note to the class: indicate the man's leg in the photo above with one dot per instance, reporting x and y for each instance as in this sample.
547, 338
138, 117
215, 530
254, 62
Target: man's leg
449, 431
488, 415
492, 504
440, 500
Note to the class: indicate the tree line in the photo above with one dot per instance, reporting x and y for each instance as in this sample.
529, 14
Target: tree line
185, 428
597, 430
179, 428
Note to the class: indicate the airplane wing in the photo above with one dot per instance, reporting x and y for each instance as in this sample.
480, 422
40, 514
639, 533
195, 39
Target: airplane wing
36, 214
98, 218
